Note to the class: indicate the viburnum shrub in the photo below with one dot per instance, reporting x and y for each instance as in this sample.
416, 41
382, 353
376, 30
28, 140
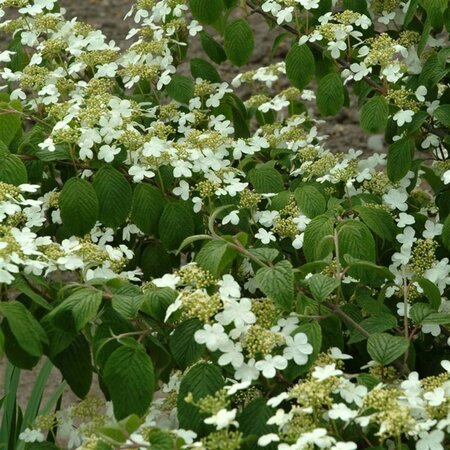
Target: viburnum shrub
192, 243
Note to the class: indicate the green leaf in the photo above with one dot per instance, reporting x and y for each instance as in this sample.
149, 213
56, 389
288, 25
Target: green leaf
254, 417
399, 158
26, 329
374, 115
147, 207
410, 13
437, 318
446, 233
330, 94
203, 379
430, 291
176, 224
310, 201
130, 379
216, 257
77, 310
369, 270
419, 312
180, 88
161, 440
75, 364
322, 286
212, 48
356, 240
114, 196
374, 324
156, 302
442, 113
155, 261
12, 169
79, 206
300, 65
435, 10
277, 282
266, 179
319, 228
204, 70
379, 221
185, 350
10, 122
238, 41
384, 348
127, 300
206, 11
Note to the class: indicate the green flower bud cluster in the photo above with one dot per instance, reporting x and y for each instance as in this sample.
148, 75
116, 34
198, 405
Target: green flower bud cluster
423, 256
193, 275
249, 199
315, 394
378, 184
265, 311
260, 341
198, 304
212, 404
402, 98
378, 6
223, 440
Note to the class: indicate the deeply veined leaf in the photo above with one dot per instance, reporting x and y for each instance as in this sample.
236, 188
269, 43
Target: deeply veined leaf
318, 229
77, 310
385, 348
203, 379
79, 206
254, 417
206, 11
114, 196
431, 292
10, 121
184, 349
374, 115
26, 329
300, 65
212, 48
75, 364
156, 302
322, 286
446, 233
374, 324
12, 169
330, 95
399, 158
356, 240
379, 221
310, 201
130, 379
442, 113
147, 207
180, 88
238, 42
176, 224
204, 70
277, 282
215, 257
266, 179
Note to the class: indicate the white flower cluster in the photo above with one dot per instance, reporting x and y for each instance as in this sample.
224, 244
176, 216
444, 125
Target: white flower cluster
24, 248
356, 405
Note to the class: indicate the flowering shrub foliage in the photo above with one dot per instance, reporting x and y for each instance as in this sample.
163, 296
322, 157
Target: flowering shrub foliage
231, 282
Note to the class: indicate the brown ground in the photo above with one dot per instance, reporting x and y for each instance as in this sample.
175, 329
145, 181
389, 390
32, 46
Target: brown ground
108, 15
